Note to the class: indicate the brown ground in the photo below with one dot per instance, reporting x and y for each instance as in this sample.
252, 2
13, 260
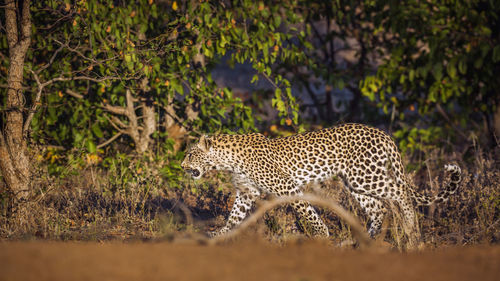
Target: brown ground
239, 261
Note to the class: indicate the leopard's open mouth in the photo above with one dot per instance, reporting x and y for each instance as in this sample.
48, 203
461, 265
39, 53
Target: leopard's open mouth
195, 173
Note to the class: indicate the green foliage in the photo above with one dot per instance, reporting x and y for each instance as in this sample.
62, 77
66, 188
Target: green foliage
121, 47
437, 67
442, 65
340, 45
146, 172
413, 139
86, 55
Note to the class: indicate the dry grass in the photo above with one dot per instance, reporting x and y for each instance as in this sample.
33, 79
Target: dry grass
89, 206
472, 216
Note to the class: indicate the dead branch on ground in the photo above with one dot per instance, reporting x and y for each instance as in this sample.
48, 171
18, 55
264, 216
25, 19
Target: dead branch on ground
358, 231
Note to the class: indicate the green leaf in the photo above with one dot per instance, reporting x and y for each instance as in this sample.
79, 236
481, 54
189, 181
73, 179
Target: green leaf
127, 58
411, 75
277, 20
78, 137
437, 71
452, 71
91, 146
462, 66
177, 86
97, 130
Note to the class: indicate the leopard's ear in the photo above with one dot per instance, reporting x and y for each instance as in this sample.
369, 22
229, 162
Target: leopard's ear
205, 143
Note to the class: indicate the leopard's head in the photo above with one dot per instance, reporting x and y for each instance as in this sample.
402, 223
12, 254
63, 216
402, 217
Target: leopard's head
198, 161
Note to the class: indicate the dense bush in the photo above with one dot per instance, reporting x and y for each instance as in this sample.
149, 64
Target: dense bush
117, 89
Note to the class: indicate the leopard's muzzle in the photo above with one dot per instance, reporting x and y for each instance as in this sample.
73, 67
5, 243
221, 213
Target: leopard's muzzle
195, 173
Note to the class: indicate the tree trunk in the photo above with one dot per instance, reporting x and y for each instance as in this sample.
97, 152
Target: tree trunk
14, 163
141, 135
149, 126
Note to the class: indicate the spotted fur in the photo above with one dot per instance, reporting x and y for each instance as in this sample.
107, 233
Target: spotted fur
365, 158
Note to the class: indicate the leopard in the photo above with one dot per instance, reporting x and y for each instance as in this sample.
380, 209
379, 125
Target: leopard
364, 158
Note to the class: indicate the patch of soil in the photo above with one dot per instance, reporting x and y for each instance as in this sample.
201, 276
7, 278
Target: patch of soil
251, 260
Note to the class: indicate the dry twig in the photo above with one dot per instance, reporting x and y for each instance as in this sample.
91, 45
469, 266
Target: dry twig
356, 227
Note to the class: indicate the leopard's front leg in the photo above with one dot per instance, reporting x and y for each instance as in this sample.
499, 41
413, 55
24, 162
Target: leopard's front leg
313, 220
242, 204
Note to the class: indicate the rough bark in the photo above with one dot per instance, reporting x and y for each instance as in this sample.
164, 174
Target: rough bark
140, 134
149, 126
139, 128
14, 163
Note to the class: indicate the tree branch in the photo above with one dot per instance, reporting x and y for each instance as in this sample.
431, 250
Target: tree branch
97, 80
26, 23
34, 105
356, 227
50, 61
108, 107
115, 109
118, 124
110, 140
82, 55
74, 94
11, 24
41, 86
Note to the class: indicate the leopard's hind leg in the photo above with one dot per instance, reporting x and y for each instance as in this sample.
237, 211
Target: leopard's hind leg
375, 210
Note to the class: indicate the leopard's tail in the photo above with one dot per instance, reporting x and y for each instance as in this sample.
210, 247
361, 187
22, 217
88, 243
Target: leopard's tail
455, 175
